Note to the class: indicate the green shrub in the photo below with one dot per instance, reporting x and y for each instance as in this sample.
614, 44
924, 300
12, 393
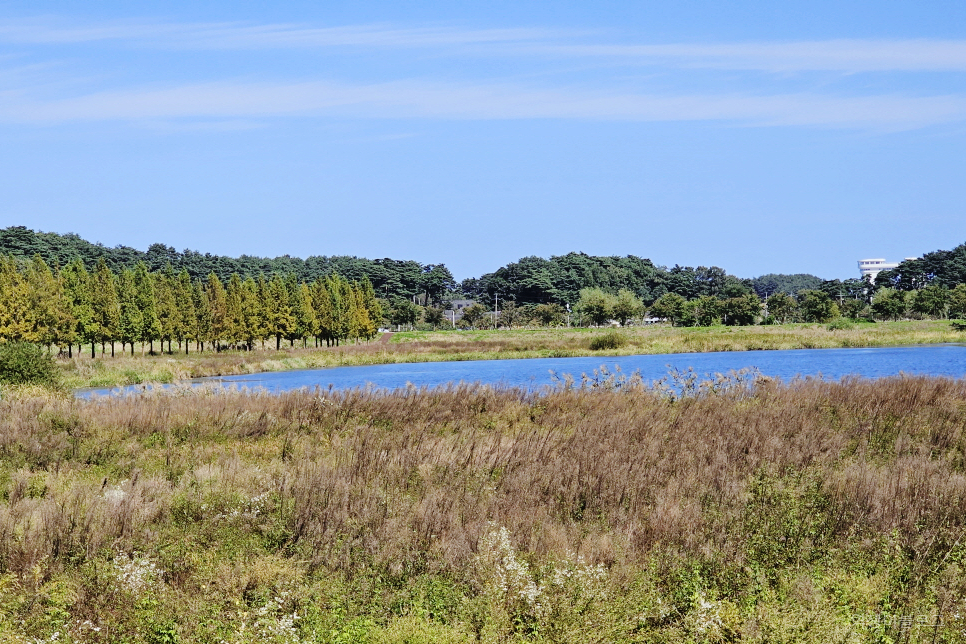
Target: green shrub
611, 340
840, 324
26, 363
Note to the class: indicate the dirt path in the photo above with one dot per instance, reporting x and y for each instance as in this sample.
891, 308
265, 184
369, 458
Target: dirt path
385, 338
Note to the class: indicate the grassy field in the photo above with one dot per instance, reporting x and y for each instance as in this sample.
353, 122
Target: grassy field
806, 512
81, 371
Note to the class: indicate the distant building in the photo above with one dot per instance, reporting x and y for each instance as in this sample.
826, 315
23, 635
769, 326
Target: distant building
455, 310
873, 267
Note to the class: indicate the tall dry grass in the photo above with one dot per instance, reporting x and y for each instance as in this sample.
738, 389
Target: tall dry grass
728, 515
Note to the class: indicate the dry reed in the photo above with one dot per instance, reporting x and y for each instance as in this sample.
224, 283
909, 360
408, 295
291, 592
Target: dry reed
239, 496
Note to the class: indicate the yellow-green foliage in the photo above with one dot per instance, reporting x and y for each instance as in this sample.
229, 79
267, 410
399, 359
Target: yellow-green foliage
66, 306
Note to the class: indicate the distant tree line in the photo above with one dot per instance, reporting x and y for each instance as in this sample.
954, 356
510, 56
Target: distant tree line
772, 283
575, 288
69, 305
813, 305
560, 279
390, 278
943, 268
596, 307
596, 290
529, 281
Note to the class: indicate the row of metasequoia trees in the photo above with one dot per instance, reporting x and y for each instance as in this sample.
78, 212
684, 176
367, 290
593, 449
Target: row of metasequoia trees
68, 306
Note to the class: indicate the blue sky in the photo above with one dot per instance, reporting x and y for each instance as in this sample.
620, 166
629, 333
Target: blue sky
759, 137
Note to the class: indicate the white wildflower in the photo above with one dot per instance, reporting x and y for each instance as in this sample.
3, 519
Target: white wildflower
509, 577
250, 509
273, 623
115, 494
136, 573
508, 580
707, 614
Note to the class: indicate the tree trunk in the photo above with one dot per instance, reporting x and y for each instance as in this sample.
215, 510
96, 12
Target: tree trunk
278, 342
70, 349
112, 348
92, 350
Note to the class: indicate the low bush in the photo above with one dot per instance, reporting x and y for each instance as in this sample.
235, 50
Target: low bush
24, 363
840, 324
609, 340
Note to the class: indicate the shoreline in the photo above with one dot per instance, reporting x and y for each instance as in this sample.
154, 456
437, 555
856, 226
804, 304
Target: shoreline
612, 369
450, 346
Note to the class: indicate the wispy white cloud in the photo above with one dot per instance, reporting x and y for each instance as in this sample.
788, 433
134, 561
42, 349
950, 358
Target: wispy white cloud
828, 55
247, 36
32, 93
416, 99
181, 126
841, 55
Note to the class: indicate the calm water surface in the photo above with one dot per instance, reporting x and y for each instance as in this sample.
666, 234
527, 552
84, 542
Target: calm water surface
936, 360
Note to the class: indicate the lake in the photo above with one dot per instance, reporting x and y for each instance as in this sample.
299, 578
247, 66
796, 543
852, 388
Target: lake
936, 360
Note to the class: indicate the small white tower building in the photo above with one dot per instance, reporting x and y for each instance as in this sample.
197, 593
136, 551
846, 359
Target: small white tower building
873, 267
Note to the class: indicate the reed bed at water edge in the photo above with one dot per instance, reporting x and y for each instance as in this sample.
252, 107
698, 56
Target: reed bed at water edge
807, 511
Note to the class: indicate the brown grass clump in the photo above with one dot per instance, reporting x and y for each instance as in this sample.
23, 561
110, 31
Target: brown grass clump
472, 512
